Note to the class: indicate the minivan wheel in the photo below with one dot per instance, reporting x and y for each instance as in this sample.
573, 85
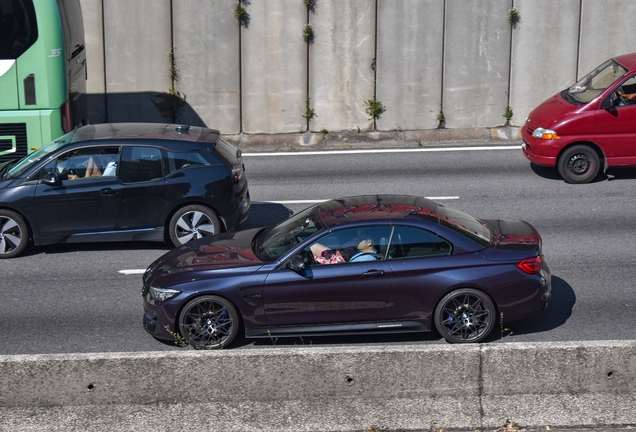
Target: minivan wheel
193, 222
209, 322
465, 315
14, 234
579, 164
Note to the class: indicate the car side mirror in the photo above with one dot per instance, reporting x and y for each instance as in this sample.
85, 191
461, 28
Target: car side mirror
50, 178
297, 264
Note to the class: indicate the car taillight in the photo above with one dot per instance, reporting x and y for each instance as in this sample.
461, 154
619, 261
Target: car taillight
235, 177
66, 117
531, 265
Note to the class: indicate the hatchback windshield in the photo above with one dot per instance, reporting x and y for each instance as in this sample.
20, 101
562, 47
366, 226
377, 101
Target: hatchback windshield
594, 83
16, 169
274, 242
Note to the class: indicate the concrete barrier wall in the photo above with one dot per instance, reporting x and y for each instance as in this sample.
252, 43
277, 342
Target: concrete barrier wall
324, 389
417, 57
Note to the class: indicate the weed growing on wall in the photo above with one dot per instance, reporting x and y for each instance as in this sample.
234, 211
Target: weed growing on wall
171, 103
508, 115
514, 17
375, 108
442, 120
241, 14
310, 5
308, 34
309, 111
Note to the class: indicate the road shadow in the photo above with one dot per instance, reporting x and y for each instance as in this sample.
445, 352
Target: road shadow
620, 174
261, 214
614, 173
61, 248
265, 214
546, 172
557, 313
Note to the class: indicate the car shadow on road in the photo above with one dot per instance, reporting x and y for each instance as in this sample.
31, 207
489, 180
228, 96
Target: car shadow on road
264, 214
557, 313
61, 248
550, 173
261, 214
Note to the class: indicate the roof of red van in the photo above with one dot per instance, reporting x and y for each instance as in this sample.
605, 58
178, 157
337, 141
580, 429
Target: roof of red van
627, 60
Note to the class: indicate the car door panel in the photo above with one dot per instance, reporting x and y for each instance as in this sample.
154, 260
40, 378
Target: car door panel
73, 206
327, 294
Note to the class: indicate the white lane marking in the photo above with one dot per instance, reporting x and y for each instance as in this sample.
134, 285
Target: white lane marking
132, 271
369, 151
319, 201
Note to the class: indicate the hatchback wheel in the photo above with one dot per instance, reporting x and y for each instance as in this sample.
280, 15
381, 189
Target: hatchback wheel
14, 234
465, 315
579, 164
209, 322
193, 222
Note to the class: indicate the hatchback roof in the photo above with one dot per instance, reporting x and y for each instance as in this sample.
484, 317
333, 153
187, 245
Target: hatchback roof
142, 131
349, 209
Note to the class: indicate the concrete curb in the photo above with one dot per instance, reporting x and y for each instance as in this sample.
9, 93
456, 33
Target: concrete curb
583, 384
313, 141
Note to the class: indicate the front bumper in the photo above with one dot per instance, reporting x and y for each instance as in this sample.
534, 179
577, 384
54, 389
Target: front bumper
156, 320
535, 158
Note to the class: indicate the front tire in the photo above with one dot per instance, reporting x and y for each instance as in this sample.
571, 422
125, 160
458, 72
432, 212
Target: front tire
579, 164
193, 222
465, 315
14, 234
209, 322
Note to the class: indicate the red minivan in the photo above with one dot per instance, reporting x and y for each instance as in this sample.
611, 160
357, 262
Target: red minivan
587, 126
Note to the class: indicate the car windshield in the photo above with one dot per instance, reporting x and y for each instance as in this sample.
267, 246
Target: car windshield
464, 224
594, 83
18, 168
270, 244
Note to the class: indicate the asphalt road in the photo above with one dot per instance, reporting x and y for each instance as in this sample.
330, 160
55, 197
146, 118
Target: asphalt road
70, 298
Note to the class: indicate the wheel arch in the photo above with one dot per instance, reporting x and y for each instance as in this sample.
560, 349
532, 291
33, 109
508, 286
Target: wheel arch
597, 149
24, 218
176, 208
197, 295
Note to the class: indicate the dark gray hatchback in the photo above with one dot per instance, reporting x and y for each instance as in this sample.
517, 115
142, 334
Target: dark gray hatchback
123, 182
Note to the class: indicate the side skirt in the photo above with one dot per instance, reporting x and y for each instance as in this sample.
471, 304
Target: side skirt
338, 329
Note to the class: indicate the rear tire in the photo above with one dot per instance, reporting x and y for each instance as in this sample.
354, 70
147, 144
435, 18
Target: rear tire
465, 315
14, 234
579, 164
193, 222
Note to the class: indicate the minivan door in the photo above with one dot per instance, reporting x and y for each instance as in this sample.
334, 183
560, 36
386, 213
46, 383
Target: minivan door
616, 128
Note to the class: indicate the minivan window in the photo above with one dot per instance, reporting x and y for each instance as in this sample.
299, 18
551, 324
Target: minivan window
594, 83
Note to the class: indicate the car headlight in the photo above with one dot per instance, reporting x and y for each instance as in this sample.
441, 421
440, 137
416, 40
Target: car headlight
163, 294
546, 134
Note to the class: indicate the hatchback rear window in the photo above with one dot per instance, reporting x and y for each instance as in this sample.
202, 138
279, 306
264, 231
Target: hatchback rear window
228, 151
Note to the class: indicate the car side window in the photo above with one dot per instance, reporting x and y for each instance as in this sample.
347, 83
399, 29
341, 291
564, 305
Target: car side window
140, 164
182, 160
349, 245
629, 88
408, 242
85, 164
